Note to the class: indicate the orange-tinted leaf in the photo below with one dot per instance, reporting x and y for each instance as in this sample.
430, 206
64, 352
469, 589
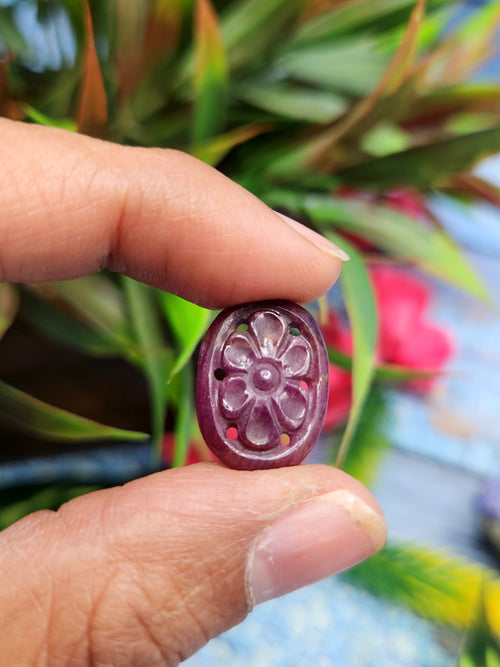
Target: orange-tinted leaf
92, 112
145, 36
403, 59
9, 108
210, 75
475, 186
214, 150
163, 30
130, 19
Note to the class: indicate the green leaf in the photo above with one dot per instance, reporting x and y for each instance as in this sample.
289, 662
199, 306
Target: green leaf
38, 117
480, 647
30, 415
394, 76
250, 26
363, 16
424, 167
361, 310
18, 503
467, 123
369, 443
292, 101
383, 372
351, 66
435, 585
210, 73
316, 152
384, 139
188, 322
96, 302
185, 421
10, 35
9, 304
154, 354
215, 149
399, 235
57, 325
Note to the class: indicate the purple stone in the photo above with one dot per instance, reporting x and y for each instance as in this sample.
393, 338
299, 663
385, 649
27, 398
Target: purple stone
262, 385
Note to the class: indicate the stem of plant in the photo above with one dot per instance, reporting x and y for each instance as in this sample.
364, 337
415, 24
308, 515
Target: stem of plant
184, 418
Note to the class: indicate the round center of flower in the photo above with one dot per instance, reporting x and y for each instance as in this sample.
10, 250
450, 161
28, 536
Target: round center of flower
266, 377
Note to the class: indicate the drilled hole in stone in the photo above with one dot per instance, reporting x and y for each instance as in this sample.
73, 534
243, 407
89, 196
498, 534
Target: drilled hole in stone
232, 433
293, 331
242, 327
285, 439
220, 374
304, 385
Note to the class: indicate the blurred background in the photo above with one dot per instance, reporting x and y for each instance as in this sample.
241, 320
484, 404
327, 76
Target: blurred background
376, 122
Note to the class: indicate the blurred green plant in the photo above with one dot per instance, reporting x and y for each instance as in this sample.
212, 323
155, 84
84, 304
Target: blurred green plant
435, 584
480, 646
291, 99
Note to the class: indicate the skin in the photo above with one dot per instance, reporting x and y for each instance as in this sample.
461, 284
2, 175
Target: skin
145, 574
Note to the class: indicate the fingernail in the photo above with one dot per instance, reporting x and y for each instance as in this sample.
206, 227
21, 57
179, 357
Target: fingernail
314, 540
320, 241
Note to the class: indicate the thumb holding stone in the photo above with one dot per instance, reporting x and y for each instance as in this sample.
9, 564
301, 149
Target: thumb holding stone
148, 572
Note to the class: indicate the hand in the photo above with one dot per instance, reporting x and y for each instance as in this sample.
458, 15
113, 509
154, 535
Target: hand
145, 574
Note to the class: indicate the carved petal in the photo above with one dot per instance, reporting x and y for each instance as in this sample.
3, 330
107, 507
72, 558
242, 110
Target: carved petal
291, 406
234, 397
260, 431
268, 330
239, 352
296, 358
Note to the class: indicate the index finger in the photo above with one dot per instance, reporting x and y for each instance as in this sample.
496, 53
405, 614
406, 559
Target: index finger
71, 205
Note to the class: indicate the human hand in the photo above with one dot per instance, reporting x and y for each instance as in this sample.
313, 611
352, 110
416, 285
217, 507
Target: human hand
145, 574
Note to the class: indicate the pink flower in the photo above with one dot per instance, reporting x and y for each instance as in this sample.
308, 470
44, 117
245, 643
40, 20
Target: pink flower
406, 200
405, 337
339, 397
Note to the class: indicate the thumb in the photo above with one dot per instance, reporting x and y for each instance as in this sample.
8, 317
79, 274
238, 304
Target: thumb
147, 573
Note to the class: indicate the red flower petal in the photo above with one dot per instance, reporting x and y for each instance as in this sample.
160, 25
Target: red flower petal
407, 200
337, 334
339, 398
429, 347
401, 300
405, 337
196, 453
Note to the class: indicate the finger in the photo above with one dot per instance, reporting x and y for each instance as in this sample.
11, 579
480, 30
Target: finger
71, 205
147, 573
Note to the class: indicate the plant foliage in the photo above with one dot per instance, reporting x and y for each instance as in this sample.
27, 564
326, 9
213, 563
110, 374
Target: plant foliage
289, 98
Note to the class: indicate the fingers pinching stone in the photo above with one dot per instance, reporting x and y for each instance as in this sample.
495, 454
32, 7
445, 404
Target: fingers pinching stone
262, 385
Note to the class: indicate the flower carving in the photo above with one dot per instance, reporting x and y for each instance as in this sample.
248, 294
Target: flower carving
264, 389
